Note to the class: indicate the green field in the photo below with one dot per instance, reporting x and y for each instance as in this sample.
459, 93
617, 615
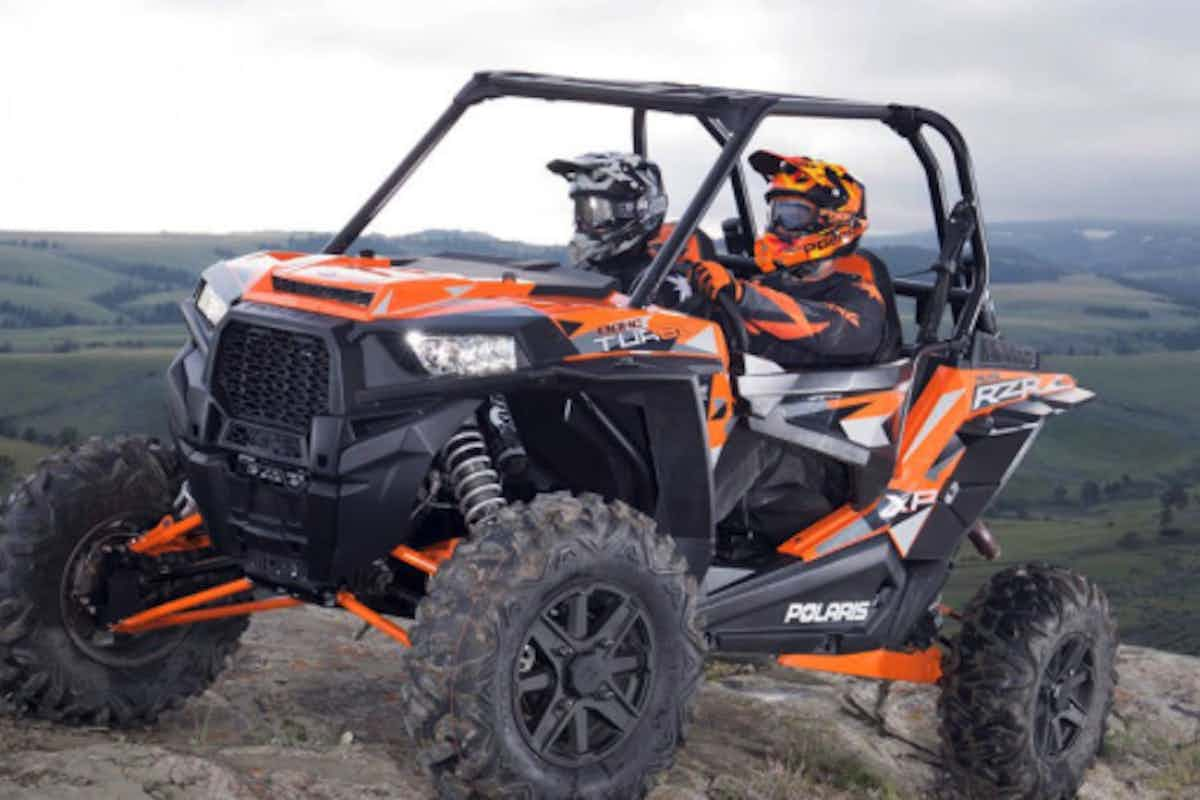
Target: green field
50, 280
47, 340
102, 391
51, 269
1151, 579
1143, 423
1088, 313
24, 455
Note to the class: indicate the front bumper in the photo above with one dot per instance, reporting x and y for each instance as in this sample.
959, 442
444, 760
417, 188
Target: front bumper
306, 509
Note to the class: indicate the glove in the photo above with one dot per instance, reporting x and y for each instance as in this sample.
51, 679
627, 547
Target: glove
711, 279
675, 291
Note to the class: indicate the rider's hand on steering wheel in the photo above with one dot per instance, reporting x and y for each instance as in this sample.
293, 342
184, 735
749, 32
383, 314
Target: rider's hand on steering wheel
712, 279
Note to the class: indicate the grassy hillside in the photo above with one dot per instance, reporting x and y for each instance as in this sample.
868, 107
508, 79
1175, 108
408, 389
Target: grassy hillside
74, 337
1088, 313
1150, 578
96, 391
51, 269
23, 457
1143, 423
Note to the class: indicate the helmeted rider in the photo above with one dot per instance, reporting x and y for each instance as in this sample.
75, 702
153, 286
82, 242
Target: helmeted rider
818, 300
620, 205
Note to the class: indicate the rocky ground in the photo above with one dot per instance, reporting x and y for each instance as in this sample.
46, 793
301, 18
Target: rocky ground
307, 712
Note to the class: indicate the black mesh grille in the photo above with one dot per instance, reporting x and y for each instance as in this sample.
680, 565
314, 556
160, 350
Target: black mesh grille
273, 376
274, 443
320, 292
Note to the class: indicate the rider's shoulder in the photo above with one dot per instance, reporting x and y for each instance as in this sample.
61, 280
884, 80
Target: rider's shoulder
700, 246
862, 264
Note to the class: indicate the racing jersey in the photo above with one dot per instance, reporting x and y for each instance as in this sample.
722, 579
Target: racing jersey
838, 319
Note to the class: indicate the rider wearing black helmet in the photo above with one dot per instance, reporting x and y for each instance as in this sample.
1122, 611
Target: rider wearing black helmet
619, 209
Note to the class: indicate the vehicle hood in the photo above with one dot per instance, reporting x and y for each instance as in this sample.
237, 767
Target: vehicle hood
362, 288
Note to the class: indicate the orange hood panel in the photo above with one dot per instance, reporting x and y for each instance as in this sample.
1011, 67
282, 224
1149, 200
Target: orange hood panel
585, 306
365, 289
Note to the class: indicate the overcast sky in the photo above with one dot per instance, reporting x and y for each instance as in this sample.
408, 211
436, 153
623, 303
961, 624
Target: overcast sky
208, 115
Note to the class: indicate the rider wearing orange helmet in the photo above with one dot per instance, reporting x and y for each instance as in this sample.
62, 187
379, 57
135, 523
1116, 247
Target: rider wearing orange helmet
817, 301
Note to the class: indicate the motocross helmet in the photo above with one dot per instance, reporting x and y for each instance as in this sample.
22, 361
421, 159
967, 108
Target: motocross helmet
817, 211
619, 204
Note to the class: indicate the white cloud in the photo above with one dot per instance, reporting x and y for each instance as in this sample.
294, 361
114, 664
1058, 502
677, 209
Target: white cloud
252, 115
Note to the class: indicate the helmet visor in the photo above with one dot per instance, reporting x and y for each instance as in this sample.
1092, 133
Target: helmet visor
595, 212
792, 215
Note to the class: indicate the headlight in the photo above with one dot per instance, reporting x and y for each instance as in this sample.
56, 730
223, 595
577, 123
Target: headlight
473, 354
210, 304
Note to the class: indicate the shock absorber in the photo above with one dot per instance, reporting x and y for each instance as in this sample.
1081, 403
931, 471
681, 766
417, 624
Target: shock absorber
471, 476
507, 451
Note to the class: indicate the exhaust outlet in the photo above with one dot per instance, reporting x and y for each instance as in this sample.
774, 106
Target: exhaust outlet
985, 543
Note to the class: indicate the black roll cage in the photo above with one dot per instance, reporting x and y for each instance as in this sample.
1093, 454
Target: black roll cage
731, 117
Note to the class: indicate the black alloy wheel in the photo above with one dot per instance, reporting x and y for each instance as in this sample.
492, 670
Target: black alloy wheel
1028, 685
557, 654
583, 674
1064, 697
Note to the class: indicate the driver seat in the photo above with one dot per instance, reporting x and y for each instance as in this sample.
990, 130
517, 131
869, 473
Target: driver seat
892, 341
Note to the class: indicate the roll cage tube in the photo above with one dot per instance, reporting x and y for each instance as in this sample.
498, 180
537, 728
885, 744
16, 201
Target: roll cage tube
731, 116
737, 179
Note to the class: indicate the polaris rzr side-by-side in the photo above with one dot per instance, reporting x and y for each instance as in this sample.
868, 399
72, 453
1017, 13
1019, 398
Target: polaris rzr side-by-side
525, 460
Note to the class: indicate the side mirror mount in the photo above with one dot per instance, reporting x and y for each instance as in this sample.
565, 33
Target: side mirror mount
736, 240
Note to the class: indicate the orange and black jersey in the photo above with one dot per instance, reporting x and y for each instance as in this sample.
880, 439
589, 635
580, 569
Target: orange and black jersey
839, 319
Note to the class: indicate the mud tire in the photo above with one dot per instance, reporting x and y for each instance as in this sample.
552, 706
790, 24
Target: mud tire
1013, 630
470, 632
43, 671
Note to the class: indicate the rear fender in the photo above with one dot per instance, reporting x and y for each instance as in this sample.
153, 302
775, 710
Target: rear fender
960, 441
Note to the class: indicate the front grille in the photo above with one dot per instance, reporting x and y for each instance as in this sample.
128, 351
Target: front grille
265, 440
272, 376
351, 296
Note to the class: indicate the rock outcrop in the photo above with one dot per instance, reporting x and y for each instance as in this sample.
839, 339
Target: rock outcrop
309, 713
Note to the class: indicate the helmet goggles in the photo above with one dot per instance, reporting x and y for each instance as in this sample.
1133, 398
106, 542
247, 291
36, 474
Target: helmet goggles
595, 212
793, 216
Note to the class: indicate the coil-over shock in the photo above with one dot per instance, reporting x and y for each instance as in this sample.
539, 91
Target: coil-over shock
467, 459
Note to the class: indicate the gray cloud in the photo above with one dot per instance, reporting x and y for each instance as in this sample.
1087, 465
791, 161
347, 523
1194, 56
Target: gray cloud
191, 115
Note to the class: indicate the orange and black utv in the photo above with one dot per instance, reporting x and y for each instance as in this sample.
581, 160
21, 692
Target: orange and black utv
526, 460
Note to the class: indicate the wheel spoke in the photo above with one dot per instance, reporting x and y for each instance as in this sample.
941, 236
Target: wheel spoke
1073, 714
616, 709
1054, 669
618, 624
577, 620
1058, 740
619, 666
549, 637
535, 682
1072, 683
579, 718
1073, 657
550, 727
